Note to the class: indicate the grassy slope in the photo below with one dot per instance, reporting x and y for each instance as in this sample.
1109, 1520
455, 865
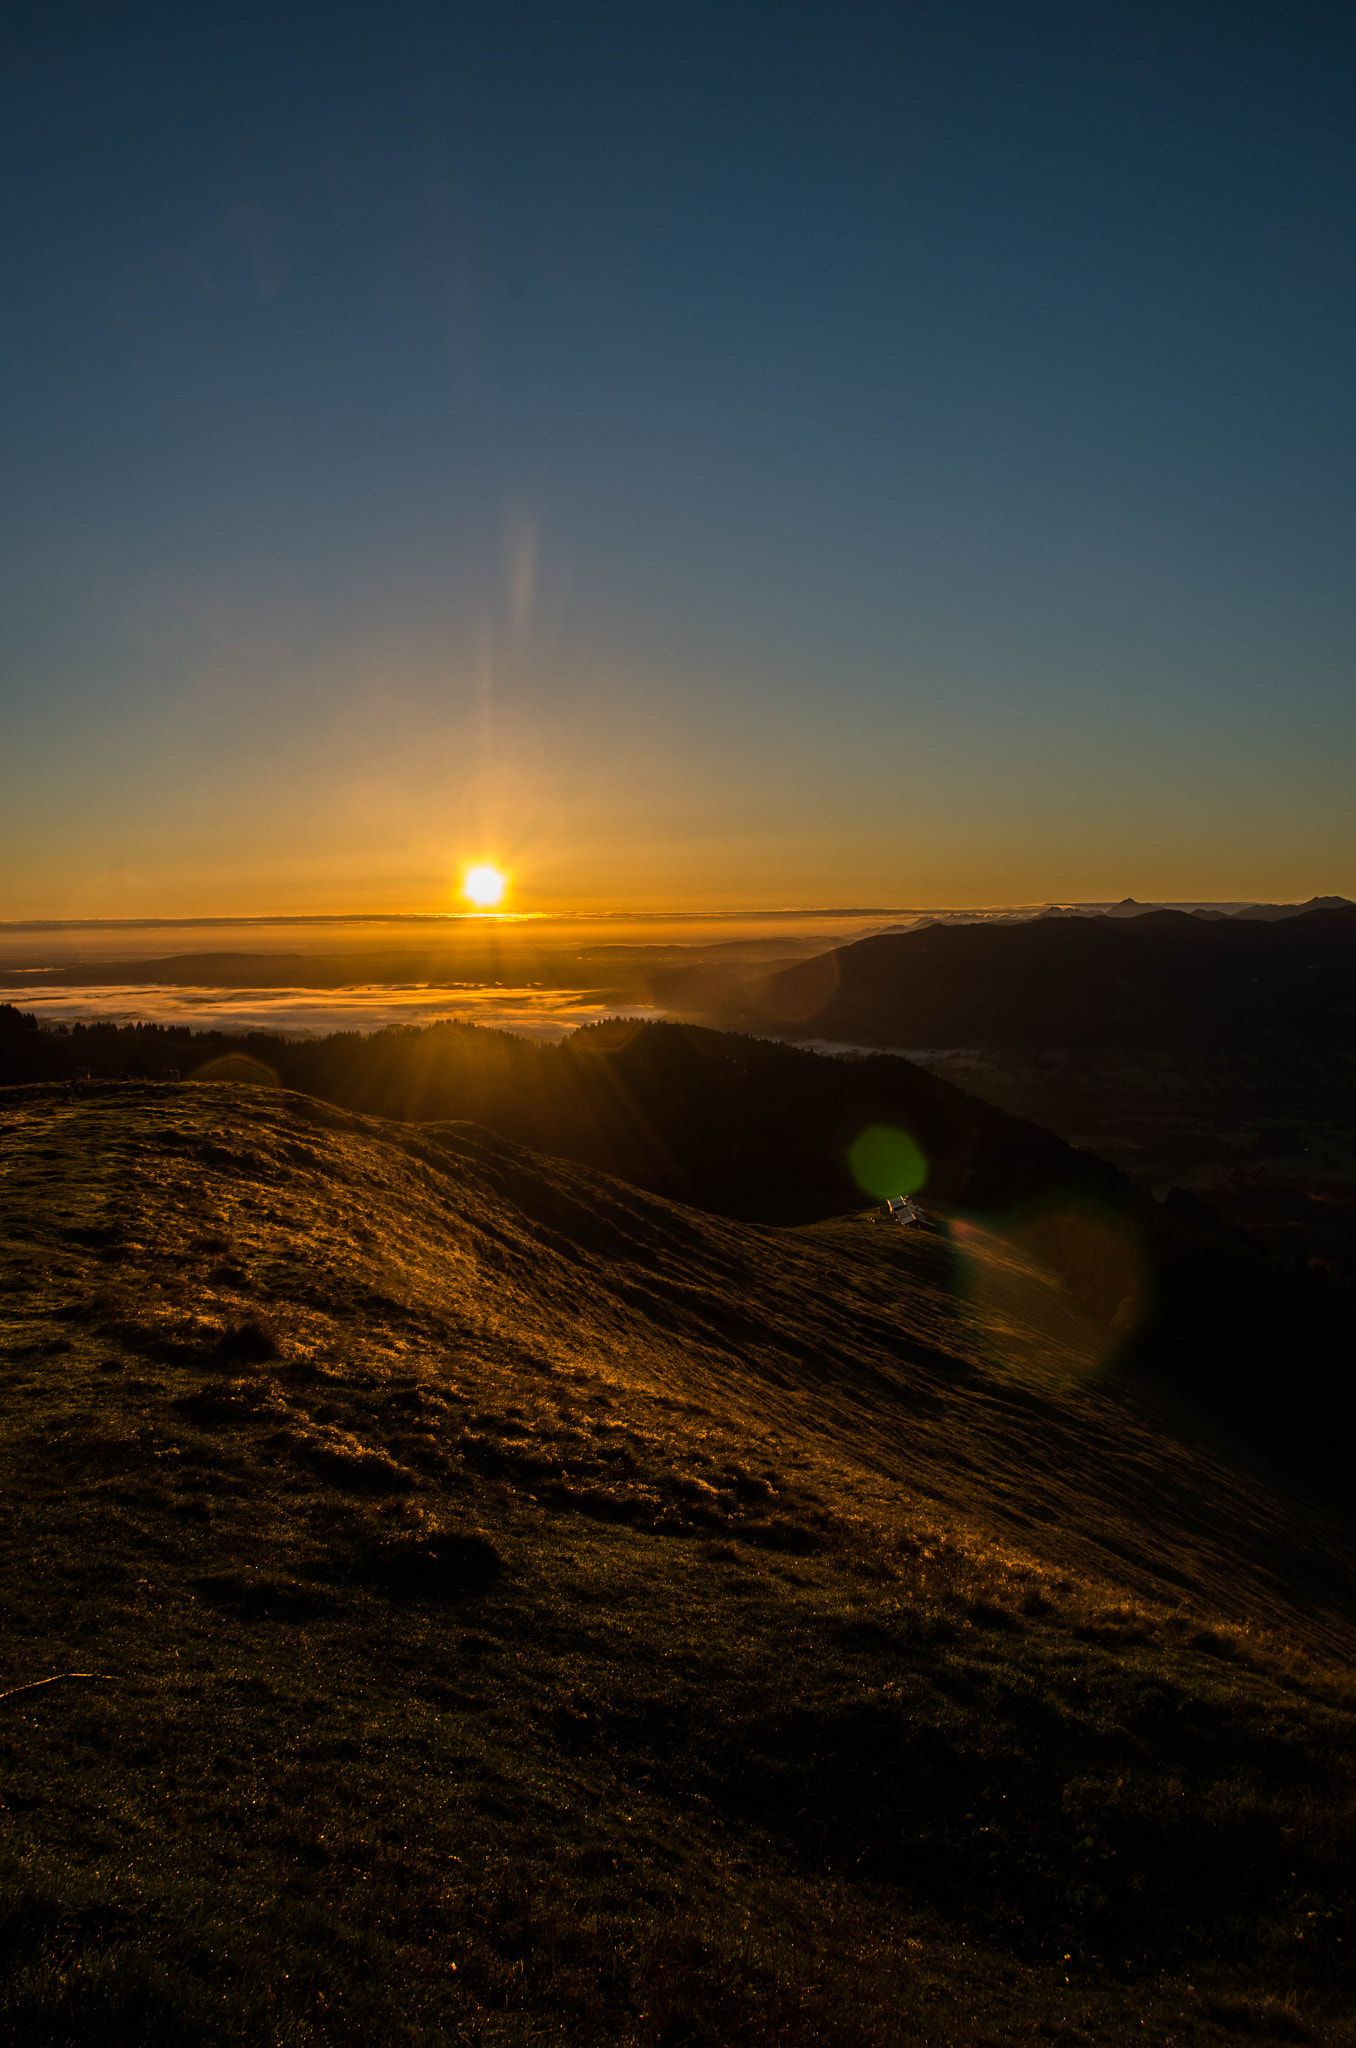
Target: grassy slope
543, 1612
763, 1133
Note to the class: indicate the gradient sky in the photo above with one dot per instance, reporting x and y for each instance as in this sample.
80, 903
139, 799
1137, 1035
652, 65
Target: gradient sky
701, 456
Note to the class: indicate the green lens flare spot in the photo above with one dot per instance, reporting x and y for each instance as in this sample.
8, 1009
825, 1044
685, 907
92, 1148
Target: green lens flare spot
887, 1162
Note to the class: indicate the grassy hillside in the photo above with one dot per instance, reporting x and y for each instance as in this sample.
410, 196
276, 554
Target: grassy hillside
739, 1124
765, 1132
523, 1609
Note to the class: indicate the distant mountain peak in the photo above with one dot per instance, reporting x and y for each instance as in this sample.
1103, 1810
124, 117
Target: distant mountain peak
1271, 912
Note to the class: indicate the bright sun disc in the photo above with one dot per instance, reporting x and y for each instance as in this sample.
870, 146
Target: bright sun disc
484, 886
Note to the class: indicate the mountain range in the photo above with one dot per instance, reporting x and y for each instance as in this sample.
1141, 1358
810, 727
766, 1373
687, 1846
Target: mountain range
1165, 979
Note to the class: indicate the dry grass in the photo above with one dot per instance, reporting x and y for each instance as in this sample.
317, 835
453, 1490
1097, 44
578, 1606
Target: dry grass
545, 1613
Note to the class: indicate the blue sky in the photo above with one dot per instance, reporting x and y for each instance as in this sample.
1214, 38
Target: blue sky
727, 455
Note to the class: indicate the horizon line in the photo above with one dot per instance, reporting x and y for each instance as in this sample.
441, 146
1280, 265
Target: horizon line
514, 917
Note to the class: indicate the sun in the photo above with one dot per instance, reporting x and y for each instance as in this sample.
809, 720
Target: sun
484, 886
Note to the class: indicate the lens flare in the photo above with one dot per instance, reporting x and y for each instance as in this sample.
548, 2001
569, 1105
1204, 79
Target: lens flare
886, 1162
484, 886
1058, 1290
238, 1066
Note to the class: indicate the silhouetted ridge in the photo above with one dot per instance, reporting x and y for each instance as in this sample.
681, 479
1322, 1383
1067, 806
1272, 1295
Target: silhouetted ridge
1272, 912
1165, 979
748, 1126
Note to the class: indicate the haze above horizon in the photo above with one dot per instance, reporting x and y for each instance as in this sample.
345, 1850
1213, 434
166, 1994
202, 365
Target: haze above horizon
693, 463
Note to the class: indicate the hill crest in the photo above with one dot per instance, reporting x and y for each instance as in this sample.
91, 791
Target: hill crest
1164, 979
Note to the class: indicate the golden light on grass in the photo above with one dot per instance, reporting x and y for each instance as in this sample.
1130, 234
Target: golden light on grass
1059, 1289
770, 1488
484, 885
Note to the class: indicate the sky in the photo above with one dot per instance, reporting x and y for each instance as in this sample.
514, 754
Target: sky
710, 457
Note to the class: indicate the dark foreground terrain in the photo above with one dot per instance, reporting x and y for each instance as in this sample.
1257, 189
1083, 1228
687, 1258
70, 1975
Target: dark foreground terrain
521, 1608
1263, 1136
